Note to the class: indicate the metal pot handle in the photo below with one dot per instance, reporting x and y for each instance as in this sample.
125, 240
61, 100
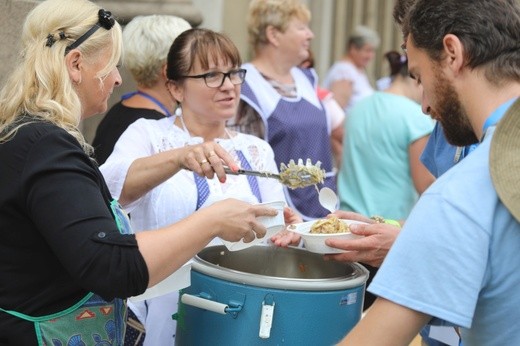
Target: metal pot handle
203, 301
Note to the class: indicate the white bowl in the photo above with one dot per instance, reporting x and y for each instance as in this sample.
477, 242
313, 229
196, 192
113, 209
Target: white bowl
276, 223
315, 242
273, 224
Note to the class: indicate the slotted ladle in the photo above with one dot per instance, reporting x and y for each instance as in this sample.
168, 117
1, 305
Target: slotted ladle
292, 175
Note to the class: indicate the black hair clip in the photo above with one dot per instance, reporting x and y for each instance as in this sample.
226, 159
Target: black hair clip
105, 19
50, 40
62, 35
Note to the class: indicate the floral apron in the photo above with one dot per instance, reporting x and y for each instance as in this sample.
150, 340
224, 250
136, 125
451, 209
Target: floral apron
92, 320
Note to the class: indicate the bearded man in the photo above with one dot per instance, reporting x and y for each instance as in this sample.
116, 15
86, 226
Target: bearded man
452, 261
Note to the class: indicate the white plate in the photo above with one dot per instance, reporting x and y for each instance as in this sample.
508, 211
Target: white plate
315, 242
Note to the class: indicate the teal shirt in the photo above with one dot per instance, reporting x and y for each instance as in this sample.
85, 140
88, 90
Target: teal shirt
375, 177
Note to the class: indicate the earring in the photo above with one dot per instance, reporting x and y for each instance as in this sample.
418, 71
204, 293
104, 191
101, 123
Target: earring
178, 111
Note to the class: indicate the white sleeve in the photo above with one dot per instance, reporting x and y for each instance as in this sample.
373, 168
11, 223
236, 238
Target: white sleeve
334, 111
340, 71
129, 147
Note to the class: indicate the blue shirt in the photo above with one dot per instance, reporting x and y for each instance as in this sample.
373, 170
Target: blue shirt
438, 155
453, 257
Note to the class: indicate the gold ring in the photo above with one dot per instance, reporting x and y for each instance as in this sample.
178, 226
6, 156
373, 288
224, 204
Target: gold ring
212, 153
203, 162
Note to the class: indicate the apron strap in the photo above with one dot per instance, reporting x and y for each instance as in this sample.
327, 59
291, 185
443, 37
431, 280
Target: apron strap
203, 187
51, 316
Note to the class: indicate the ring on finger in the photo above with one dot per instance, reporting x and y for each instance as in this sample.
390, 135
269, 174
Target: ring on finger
203, 162
212, 153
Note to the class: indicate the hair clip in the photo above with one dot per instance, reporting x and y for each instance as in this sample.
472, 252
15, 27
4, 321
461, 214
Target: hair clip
62, 35
50, 40
105, 19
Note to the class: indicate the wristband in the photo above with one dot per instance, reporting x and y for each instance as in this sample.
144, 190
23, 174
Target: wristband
392, 222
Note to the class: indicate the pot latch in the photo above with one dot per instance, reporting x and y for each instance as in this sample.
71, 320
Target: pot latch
266, 320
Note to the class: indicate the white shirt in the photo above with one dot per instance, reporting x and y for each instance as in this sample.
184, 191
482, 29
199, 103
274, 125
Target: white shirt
345, 70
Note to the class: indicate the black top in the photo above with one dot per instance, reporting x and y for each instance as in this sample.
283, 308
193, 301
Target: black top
58, 237
115, 122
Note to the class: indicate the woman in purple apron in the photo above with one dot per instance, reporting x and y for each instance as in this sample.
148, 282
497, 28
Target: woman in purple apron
279, 101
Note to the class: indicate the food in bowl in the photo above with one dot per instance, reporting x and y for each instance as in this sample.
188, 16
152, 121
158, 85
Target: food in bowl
329, 226
315, 242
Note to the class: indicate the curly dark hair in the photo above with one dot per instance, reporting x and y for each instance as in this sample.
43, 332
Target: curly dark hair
488, 30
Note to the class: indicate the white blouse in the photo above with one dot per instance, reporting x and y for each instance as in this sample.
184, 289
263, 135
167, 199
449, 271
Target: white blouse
176, 198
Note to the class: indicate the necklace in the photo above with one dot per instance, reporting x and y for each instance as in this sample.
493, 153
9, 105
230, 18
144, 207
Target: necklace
149, 97
286, 90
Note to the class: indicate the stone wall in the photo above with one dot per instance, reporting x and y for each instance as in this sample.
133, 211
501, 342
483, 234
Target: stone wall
12, 15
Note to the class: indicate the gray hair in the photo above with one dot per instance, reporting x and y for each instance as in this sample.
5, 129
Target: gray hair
146, 42
363, 35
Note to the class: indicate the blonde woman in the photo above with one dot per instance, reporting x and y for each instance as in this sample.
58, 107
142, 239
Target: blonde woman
67, 258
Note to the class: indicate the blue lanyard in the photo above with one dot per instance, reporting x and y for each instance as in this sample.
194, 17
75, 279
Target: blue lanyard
492, 120
495, 117
149, 97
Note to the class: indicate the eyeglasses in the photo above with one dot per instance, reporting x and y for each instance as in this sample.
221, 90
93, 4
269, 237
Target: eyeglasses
216, 79
106, 20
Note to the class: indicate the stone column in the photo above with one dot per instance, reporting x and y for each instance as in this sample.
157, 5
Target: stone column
125, 10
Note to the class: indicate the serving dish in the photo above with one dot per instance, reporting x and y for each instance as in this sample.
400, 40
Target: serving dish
315, 242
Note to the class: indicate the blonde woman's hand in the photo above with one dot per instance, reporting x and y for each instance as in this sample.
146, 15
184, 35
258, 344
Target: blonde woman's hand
235, 220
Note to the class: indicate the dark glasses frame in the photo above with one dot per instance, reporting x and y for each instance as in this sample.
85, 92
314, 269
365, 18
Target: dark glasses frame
240, 73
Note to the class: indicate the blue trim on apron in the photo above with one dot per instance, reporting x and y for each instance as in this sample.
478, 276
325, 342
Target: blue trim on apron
289, 116
203, 187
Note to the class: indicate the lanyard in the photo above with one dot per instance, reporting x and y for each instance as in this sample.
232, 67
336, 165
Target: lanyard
492, 120
495, 117
149, 97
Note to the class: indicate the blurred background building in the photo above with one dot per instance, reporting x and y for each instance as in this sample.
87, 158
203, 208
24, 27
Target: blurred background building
332, 22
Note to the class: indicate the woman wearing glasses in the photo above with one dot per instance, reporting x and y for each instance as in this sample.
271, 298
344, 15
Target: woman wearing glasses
203, 68
66, 258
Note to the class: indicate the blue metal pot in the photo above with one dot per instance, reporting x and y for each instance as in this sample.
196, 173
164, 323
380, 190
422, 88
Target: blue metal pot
266, 295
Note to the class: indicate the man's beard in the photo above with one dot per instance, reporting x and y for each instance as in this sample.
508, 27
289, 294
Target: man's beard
451, 115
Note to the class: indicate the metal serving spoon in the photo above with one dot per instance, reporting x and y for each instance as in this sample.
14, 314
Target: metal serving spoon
292, 175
